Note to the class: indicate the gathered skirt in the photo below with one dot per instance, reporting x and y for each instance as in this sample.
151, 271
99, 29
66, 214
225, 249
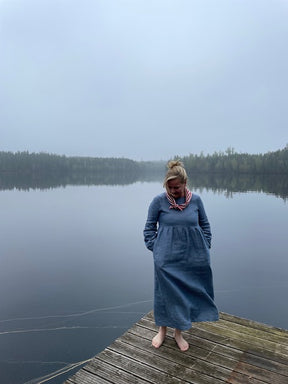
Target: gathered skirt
183, 295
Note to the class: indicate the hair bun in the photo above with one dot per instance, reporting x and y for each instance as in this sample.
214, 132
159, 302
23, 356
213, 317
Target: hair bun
175, 163
175, 170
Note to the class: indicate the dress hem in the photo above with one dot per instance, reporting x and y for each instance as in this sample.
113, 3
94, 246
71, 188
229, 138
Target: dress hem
185, 327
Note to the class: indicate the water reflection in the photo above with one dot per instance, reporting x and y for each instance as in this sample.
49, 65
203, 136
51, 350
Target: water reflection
22, 181
218, 183
229, 184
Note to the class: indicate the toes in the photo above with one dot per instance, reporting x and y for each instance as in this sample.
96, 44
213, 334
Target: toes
182, 344
184, 348
157, 341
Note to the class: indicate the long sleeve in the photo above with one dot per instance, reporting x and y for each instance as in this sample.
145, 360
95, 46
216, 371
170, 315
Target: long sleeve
150, 230
204, 223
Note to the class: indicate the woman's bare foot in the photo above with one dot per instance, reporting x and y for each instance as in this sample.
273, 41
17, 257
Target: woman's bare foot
181, 342
158, 340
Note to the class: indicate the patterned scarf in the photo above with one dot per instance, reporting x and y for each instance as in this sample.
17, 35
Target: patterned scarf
174, 205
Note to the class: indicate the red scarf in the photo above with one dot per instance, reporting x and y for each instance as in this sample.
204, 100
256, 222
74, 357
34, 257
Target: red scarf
174, 205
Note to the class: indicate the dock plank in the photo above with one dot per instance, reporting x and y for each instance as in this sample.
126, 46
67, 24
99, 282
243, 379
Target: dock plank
151, 373
198, 344
232, 350
203, 360
170, 367
107, 370
254, 324
214, 333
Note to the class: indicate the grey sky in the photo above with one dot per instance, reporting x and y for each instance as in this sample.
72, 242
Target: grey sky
143, 79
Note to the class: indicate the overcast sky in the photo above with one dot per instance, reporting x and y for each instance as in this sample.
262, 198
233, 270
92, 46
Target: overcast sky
143, 79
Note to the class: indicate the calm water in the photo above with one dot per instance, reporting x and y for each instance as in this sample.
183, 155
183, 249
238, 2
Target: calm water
75, 273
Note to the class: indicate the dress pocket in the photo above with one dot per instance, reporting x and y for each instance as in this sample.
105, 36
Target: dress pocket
200, 240
199, 251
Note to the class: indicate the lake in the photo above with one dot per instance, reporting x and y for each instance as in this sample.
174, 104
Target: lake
75, 273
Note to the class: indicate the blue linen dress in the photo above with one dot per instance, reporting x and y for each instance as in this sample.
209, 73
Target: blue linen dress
183, 283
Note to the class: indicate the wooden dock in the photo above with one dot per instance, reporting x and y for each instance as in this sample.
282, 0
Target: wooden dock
232, 350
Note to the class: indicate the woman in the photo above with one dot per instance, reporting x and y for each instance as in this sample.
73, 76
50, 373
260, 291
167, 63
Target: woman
178, 232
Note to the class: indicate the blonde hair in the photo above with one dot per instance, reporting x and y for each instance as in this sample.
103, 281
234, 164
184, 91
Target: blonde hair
175, 170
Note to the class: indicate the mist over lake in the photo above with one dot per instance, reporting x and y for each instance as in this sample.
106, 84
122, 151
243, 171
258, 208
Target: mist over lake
94, 100
75, 273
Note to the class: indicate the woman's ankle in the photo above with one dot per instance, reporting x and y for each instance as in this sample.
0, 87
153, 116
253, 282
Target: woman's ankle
181, 342
158, 340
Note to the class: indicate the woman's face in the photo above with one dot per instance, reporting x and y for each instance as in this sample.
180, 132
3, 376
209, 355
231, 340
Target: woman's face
175, 188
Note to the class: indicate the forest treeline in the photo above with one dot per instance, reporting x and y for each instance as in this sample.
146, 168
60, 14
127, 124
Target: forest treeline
43, 170
43, 164
229, 162
219, 162
25, 162
219, 172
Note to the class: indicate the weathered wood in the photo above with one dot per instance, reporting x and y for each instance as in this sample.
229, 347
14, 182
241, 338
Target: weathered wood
261, 341
232, 350
253, 324
203, 359
137, 367
215, 333
201, 347
250, 331
107, 370
169, 366
85, 377
225, 345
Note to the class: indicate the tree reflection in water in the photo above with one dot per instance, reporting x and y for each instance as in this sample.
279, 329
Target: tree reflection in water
228, 184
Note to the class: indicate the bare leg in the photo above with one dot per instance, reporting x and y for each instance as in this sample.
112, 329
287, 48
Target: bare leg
181, 342
158, 340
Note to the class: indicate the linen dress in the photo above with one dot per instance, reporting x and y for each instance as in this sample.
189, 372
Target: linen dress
183, 283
